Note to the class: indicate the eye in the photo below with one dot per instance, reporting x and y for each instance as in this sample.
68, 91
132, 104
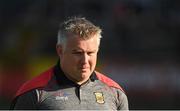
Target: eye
77, 53
91, 53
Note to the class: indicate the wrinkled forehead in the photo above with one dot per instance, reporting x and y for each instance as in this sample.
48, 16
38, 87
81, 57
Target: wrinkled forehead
76, 42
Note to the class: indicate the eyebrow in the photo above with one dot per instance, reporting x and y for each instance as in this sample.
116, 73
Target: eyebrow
75, 50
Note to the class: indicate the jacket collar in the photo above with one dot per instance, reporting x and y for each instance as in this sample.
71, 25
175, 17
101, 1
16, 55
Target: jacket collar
63, 80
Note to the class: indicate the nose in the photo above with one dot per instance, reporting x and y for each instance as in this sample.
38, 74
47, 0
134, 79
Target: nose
84, 58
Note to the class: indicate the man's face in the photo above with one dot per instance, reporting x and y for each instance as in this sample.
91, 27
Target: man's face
78, 57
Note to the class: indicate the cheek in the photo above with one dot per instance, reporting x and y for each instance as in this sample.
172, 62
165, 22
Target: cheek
70, 63
67, 59
73, 60
93, 60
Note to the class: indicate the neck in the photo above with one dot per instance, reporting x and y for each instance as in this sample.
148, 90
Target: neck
79, 82
82, 82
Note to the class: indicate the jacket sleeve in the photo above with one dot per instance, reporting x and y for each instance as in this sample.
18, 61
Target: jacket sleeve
122, 100
27, 101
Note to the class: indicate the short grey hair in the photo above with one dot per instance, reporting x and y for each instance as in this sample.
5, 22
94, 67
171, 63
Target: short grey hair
79, 26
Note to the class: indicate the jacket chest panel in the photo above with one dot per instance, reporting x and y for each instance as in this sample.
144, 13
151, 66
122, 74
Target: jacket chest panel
88, 97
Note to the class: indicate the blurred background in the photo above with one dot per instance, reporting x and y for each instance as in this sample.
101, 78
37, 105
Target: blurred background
139, 49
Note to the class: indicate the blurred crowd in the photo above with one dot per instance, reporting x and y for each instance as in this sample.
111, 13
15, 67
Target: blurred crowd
139, 49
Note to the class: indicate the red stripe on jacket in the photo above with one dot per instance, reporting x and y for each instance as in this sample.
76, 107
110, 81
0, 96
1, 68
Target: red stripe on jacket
43, 79
108, 81
37, 82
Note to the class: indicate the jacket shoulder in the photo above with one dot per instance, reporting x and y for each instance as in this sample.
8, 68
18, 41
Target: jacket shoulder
37, 82
108, 81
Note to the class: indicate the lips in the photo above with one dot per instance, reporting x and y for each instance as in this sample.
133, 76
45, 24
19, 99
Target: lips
84, 68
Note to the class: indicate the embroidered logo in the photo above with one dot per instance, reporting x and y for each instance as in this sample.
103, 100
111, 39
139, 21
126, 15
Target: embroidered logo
99, 97
61, 96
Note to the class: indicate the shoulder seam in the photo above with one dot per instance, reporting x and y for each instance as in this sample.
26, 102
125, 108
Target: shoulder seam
106, 80
40, 81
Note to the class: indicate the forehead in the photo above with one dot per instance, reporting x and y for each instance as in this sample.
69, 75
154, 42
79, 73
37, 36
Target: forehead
76, 42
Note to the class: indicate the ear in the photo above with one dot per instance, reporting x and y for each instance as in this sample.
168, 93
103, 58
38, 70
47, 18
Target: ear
59, 50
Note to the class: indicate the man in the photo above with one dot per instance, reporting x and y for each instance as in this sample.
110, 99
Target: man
73, 84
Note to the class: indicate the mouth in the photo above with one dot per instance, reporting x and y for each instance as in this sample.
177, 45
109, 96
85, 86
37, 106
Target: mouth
84, 69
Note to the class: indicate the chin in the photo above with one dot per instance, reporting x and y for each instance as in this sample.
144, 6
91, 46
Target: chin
85, 74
